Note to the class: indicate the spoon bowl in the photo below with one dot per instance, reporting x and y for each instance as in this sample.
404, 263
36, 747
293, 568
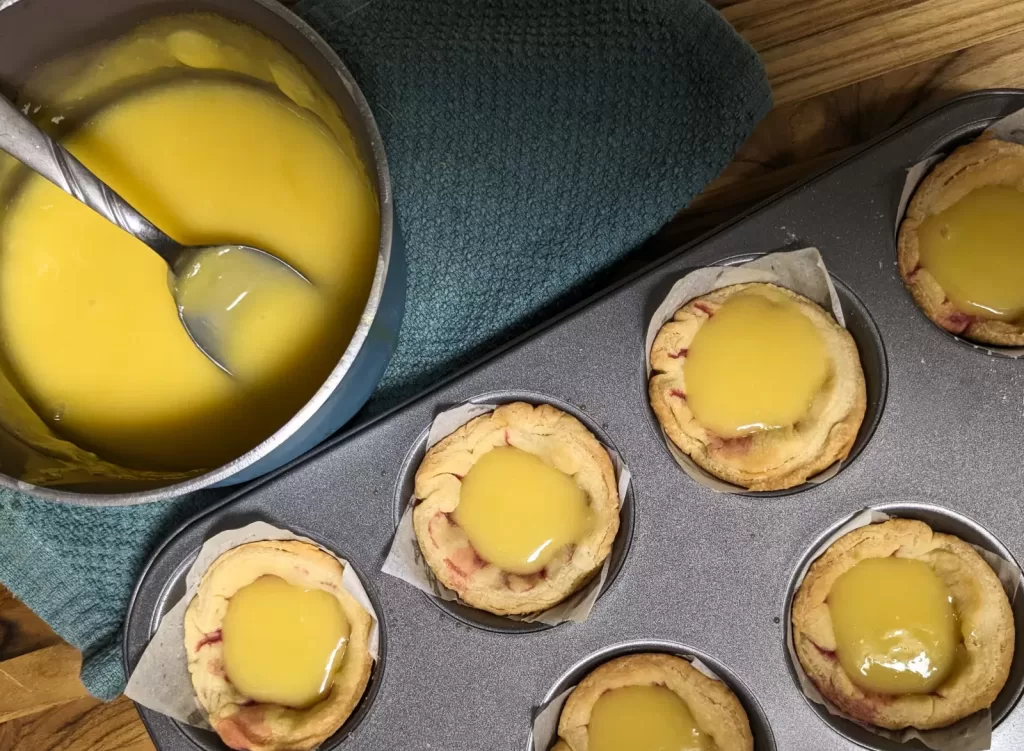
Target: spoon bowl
210, 283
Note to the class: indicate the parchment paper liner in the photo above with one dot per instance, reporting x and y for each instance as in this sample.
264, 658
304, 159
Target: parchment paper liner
974, 732
545, 721
801, 271
406, 562
161, 680
1010, 128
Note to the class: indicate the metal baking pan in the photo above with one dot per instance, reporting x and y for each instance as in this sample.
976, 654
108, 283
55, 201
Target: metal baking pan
708, 572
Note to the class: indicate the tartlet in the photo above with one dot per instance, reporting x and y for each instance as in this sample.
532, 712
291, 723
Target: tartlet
241, 723
715, 708
986, 623
985, 162
561, 441
769, 459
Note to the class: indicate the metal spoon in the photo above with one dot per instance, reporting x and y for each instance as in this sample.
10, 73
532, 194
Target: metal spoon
20, 138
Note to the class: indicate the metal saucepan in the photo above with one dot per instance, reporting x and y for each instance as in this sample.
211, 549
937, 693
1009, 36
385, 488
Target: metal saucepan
33, 32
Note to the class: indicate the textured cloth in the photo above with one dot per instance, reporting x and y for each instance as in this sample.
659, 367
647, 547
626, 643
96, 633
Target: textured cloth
532, 143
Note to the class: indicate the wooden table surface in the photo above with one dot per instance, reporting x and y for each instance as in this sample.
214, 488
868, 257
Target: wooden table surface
842, 71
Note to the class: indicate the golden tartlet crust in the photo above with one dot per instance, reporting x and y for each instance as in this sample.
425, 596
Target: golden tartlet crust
560, 440
978, 599
715, 708
771, 459
269, 727
986, 161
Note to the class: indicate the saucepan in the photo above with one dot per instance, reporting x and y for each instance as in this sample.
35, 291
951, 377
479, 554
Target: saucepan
33, 32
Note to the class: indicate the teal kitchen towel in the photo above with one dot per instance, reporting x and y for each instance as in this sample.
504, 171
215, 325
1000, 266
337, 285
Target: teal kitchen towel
532, 144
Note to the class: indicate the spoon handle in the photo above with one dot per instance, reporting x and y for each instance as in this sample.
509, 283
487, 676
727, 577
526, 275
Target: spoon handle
20, 138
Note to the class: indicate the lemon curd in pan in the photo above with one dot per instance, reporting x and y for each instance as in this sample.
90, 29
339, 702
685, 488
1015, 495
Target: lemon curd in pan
216, 134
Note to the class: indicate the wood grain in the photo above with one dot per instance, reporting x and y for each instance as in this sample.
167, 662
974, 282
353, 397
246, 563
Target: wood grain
81, 725
810, 48
842, 72
801, 138
21, 630
39, 680
43, 704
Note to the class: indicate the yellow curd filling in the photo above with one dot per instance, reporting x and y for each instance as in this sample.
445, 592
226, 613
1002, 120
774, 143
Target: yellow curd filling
895, 627
88, 323
975, 251
755, 365
644, 718
518, 511
283, 644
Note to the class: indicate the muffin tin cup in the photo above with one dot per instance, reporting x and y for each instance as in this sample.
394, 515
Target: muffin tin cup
861, 326
208, 740
964, 733
546, 714
1009, 128
404, 495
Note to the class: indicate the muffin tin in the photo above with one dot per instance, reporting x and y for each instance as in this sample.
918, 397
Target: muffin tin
704, 569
